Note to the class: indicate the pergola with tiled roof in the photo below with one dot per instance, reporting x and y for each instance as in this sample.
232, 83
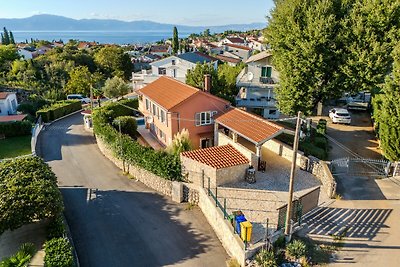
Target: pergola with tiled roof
217, 157
251, 127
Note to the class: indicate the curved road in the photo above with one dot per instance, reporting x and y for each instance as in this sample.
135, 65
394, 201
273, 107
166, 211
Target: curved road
116, 221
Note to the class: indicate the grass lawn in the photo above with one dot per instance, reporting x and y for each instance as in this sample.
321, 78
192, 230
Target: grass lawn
15, 146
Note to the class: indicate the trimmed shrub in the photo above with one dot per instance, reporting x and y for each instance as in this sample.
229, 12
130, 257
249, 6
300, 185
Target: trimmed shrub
296, 249
16, 128
28, 192
58, 253
128, 125
321, 142
266, 258
58, 110
127, 149
311, 149
56, 227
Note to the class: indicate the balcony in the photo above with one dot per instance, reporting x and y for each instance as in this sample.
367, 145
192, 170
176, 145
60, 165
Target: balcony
260, 102
267, 80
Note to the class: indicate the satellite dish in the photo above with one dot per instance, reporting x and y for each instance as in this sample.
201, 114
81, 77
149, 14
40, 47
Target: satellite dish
250, 76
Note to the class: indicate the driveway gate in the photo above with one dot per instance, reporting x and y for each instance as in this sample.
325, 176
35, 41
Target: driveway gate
360, 166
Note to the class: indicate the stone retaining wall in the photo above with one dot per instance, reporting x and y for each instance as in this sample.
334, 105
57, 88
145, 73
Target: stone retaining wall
151, 180
321, 170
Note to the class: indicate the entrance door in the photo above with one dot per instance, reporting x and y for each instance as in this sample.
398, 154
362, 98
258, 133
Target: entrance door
206, 142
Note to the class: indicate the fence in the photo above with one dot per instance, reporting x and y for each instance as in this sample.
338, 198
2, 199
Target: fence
360, 166
301, 206
35, 133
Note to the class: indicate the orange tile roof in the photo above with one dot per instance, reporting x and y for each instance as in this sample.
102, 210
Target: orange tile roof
11, 118
3, 95
218, 157
250, 126
239, 46
228, 59
168, 92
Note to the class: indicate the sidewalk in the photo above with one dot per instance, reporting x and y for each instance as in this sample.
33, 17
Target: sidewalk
150, 139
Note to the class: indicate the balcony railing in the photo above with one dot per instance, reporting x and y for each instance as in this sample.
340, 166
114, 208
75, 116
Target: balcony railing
267, 80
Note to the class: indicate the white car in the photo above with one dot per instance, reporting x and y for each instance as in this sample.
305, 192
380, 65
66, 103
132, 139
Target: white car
340, 115
83, 99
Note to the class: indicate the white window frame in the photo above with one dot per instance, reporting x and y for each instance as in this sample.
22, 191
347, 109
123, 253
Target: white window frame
204, 118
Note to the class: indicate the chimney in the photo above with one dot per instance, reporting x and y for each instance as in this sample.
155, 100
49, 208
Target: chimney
207, 83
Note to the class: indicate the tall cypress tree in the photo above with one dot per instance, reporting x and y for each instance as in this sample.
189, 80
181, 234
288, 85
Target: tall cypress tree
12, 41
6, 37
175, 41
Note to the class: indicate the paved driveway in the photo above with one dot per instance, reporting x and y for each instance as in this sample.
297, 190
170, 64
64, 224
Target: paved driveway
355, 140
116, 221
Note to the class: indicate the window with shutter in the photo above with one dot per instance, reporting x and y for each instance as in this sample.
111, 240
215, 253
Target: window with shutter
263, 71
197, 118
269, 72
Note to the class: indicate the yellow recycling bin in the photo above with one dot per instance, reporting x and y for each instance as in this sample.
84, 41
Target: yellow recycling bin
245, 231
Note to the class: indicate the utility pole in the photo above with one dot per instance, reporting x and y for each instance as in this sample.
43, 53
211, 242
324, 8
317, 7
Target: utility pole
288, 223
91, 97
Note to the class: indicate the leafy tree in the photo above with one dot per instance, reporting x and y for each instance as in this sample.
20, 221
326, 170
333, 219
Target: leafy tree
28, 192
303, 35
370, 32
128, 125
175, 41
80, 81
195, 77
112, 61
227, 81
58, 253
8, 53
115, 87
387, 112
206, 32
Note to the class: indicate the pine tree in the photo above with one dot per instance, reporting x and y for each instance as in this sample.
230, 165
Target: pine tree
12, 41
175, 41
6, 37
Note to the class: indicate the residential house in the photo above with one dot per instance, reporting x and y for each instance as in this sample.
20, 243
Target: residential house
8, 103
173, 66
86, 45
255, 44
27, 52
170, 106
232, 61
237, 40
44, 49
58, 44
160, 50
243, 52
248, 133
256, 85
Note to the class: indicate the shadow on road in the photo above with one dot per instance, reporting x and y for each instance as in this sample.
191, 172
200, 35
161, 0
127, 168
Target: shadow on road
351, 223
145, 234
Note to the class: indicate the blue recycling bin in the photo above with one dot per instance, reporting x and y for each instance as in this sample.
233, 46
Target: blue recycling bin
238, 220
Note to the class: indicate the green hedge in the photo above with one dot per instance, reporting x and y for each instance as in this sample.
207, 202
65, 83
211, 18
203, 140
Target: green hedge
17, 128
128, 125
58, 110
58, 253
125, 148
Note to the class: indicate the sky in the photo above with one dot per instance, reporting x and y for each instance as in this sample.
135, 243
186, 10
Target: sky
183, 12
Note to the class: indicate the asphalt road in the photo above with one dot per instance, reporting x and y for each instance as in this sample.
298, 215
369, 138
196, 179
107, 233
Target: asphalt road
116, 221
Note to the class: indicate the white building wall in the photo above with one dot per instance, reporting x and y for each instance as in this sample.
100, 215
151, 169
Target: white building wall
6, 105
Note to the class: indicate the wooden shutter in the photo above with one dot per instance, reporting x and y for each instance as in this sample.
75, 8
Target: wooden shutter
269, 72
197, 119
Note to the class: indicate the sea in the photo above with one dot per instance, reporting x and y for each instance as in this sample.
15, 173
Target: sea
102, 37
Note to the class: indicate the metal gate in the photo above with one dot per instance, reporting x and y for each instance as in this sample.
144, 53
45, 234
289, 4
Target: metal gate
360, 166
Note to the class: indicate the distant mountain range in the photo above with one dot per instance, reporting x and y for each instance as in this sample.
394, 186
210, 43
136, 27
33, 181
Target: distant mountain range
59, 23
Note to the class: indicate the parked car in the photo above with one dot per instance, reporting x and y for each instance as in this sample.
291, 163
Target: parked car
83, 99
340, 115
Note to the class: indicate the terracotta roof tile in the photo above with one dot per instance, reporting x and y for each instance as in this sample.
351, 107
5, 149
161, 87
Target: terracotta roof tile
228, 59
168, 92
250, 126
236, 40
3, 95
218, 157
239, 46
11, 118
